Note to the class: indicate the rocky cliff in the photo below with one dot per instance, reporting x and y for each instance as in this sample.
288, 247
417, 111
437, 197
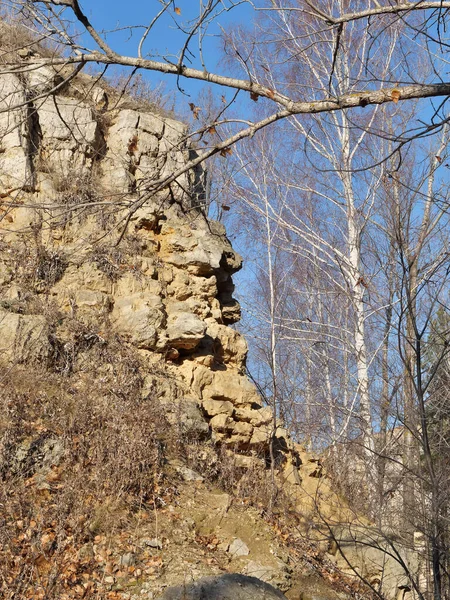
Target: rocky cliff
70, 176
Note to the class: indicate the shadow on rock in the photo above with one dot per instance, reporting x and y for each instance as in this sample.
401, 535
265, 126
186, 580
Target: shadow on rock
225, 587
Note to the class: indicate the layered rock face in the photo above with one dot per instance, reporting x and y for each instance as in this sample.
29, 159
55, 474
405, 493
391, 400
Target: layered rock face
80, 263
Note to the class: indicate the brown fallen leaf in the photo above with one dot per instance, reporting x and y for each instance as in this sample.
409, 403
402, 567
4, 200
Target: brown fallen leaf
79, 590
47, 540
42, 565
53, 475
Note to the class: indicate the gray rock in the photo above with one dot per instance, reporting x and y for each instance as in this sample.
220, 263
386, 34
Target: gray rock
189, 474
276, 575
128, 559
231, 586
42, 79
185, 330
13, 158
153, 543
70, 136
24, 337
25, 52
37, 455
192, 422
238, 548
185, 415
138, 318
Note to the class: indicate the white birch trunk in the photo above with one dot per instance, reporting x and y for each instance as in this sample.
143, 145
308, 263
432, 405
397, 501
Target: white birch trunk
357, 290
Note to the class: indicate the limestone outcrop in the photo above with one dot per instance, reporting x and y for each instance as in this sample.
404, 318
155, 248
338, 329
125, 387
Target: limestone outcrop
70, 176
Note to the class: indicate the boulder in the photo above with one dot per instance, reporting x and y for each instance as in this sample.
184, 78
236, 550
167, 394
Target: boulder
138, 318
218, 407
261, 435
24, 337
231, 586
262, 416
14, 170
278, 574
222, 422
185, 414
238, 548
241, 433
197, 251
230, 346
185, 330
38, 454
42, 79
70, 137
189, 474
232, 386
242, 461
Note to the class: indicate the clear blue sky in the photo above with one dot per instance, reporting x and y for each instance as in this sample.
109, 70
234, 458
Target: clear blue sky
165, 39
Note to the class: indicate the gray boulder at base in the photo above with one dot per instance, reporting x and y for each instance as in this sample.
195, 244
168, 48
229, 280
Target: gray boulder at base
231, 586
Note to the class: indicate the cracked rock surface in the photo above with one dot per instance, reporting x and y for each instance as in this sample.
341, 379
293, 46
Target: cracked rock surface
69, 173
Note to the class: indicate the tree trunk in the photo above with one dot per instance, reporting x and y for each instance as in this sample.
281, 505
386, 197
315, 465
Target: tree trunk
357, 290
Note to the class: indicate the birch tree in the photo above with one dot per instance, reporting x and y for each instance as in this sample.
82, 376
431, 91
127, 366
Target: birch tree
314, 319
406, 270
336, 148
421, 239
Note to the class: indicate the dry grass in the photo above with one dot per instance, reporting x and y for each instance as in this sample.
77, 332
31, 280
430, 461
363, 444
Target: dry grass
109, 260
16, 34
82, 455
35, 267
79, 455
136, 92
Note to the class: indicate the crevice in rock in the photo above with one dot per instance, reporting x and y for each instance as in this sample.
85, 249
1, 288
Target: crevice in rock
32, 135
200, 185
